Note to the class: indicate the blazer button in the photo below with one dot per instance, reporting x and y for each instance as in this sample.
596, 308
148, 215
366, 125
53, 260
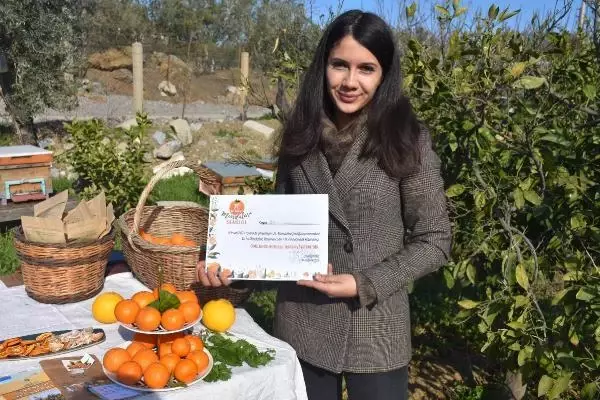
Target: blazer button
348, 247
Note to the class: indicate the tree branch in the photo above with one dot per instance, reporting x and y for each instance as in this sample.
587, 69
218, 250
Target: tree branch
505, 222
9, 108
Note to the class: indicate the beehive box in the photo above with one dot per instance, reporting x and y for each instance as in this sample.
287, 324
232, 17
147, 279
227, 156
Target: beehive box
25, 173
231, 177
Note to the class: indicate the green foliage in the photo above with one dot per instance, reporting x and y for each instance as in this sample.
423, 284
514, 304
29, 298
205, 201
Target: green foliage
166, 301
260, 185
8, 255
228, 352
6, 136
515, 121
463, 392
283, 38
110, 160
261, 306
40, 40
100, 18
179, 188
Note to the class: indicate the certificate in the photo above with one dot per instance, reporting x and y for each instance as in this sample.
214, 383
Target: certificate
268, 237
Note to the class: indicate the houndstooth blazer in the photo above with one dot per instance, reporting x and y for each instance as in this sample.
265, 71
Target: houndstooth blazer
391, 232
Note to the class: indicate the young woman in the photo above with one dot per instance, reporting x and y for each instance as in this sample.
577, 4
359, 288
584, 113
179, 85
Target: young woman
353, 135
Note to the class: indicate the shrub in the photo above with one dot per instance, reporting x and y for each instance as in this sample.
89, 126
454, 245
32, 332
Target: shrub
109, 159
515, 120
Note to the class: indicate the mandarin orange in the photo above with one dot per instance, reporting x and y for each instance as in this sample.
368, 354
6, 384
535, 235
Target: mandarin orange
172, 319
129, 373
190, 311
178, 239
195, 342
164, 349
126, 311
145, 358
148, 319
143, 298
185, 371
181, 347
190, 243
169, 287
186, 296
200, 358
156, 376
170, 361
114, 358
134, 347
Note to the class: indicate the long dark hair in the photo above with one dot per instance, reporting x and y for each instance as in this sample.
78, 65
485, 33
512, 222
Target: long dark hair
392, 125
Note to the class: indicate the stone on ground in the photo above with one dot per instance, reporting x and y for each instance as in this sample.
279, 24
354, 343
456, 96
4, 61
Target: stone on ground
167, 150
182, 131
260, 128
167, 89
111, 59
159, 138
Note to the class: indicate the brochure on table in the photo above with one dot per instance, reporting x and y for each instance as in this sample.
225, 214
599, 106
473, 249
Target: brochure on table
268, 237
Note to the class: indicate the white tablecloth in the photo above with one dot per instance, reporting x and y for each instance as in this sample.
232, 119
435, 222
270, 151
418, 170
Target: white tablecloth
281, 379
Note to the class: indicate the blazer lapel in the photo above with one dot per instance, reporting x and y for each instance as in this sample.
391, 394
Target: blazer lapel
317, 173
353, 169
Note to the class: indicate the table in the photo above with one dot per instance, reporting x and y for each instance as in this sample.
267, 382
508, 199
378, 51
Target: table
281, 379
12, 212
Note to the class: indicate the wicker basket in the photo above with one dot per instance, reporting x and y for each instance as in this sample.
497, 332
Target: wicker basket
177, 264
63, 273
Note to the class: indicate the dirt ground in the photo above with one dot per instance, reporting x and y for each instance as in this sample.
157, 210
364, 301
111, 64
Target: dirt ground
227, 140
211, 88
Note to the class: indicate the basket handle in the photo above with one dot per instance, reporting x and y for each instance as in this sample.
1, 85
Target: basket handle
203, 173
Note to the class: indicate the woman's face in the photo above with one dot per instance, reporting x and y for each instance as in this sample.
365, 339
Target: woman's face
353, 75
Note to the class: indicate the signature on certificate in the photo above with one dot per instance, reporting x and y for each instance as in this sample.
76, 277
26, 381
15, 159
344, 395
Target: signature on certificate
271, 222
299, 257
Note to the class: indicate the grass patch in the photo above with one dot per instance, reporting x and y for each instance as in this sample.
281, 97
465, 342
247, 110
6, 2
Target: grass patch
8, 255
265, 117
179, 188
60, 184
7, 136
227, 133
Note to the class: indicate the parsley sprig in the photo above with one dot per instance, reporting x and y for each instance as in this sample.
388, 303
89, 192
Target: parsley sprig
229, 353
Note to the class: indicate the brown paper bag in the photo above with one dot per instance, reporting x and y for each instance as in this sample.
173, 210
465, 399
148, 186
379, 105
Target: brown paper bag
79, 213
53, 207
110, 218
43, 230
89, 229
97, 206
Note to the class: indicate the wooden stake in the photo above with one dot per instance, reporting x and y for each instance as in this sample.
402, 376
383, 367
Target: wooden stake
245, 73
138, 77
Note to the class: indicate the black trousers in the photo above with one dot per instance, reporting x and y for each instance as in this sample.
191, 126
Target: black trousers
325, 385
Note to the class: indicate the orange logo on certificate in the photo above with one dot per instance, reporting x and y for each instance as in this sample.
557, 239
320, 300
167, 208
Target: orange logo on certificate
236, 208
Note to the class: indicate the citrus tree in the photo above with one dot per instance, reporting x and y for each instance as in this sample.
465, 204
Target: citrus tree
39, 40
516, 122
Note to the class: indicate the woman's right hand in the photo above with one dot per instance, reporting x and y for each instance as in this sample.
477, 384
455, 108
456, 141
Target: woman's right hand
210, 278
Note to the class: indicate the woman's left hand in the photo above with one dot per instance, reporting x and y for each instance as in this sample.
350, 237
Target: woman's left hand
342, 285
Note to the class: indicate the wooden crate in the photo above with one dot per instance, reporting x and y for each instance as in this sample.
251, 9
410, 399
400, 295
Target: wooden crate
231, 177
24, 173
